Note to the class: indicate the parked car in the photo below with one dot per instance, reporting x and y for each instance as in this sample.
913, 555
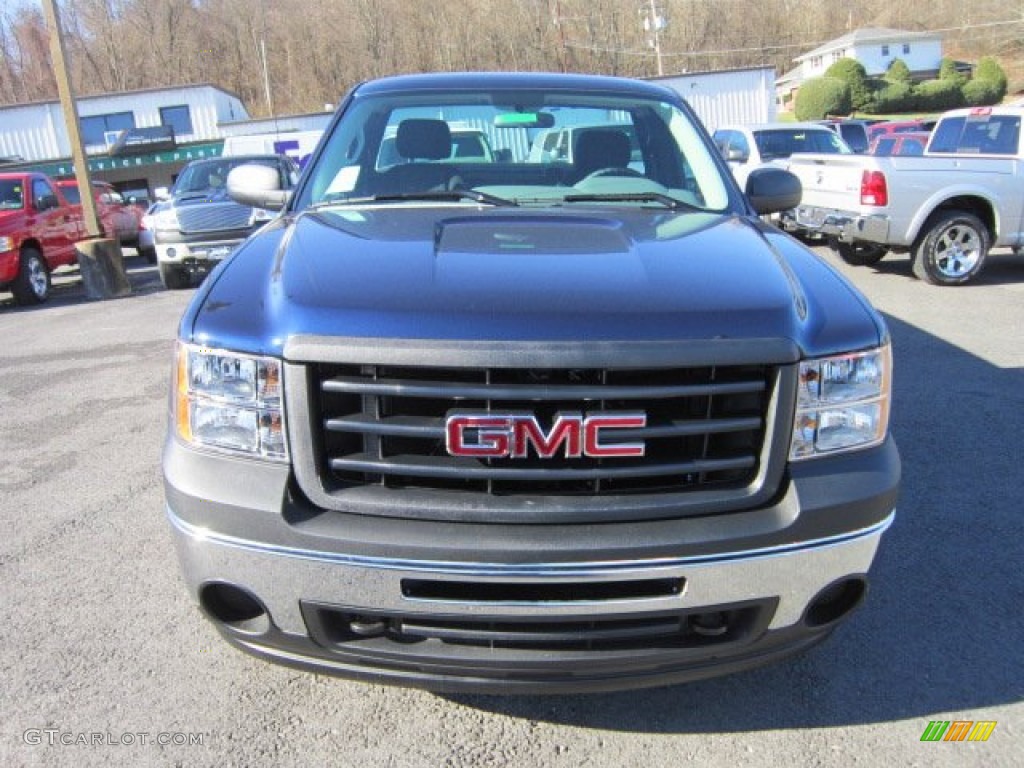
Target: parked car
38, 232
147, 244
197, 225
889, 127
560, 145
947, 208
908, 143
119, 219
747, 147
853, 132
468, 145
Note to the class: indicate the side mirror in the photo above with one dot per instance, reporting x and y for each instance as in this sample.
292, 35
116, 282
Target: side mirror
258, 186
162, 193
46, 202
736, 155
771, 190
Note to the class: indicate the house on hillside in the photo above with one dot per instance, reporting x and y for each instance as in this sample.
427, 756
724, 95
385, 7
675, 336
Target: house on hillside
874, 48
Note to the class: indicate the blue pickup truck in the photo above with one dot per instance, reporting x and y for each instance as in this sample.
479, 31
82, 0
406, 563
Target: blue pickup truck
526, 424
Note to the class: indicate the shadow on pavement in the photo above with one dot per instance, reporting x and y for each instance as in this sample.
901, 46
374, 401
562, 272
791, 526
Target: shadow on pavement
67, 288
942, 626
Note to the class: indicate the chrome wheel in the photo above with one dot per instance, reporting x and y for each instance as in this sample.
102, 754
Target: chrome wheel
952, 248
32, 285
38, 279
957, 251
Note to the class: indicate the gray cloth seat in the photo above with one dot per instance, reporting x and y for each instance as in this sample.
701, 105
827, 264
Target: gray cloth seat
420, 143
598, 148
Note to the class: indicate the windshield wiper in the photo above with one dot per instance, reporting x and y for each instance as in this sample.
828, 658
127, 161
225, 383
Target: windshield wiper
633, 197
441, 195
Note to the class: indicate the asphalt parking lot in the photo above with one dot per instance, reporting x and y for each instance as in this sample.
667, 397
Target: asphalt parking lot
106, 662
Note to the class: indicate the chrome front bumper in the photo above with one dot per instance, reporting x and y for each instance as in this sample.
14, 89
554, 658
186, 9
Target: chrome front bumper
845, 226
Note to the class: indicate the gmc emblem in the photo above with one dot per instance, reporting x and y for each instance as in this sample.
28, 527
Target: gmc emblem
511, 435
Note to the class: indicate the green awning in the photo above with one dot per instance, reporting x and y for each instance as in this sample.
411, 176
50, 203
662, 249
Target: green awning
100, 163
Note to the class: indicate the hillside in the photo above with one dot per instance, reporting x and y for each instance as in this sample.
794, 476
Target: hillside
317, 49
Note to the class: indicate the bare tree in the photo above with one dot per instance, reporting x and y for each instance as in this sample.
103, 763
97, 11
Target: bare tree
318, 49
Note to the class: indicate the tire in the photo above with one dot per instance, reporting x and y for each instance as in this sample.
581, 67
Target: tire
174, 277
32, 285
149, 254
860, 254
952, 248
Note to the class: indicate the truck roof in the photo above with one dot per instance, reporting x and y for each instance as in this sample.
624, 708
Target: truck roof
448, 81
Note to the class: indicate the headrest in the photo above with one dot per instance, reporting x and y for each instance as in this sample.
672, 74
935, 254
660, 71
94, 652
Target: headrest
421, 139
602, 148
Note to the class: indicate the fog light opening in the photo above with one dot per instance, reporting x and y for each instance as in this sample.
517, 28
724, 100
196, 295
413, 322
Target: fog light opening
835, 601
234, 608
712, 624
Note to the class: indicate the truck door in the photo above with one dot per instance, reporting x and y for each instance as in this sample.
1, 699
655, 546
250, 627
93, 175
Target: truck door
58, 227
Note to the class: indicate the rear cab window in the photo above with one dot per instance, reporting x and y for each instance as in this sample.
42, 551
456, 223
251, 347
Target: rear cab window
980, 133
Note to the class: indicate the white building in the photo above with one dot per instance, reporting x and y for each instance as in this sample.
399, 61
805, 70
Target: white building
727, 96
160, 129
874, 48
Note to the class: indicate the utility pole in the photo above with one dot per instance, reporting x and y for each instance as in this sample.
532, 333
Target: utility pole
100, 260
556, 19
654, 22
263, 58
67, 103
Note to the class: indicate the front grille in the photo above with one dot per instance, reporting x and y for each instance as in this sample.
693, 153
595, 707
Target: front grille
213, 217
384, 426
354, 630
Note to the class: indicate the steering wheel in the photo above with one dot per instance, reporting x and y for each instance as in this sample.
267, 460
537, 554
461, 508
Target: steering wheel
612, 171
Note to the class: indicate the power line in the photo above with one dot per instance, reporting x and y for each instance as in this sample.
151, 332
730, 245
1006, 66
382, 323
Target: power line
779, 47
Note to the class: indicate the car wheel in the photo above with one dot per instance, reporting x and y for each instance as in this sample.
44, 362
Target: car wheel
32, 285
952, 249
860, 254
174, 277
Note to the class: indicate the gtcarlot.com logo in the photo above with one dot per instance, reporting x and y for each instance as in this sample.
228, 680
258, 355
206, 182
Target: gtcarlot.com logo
958, 730
55, 737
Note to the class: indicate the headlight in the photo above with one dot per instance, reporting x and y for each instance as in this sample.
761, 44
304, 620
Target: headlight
6, 244
843, 403
165, 219
229, 401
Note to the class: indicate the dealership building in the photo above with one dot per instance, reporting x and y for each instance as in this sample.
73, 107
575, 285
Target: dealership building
136, 140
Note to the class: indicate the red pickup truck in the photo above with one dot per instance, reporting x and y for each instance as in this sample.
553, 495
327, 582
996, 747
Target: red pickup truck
118, 218
38, 232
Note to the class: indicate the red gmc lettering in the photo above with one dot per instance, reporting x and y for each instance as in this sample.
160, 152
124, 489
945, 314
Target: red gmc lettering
511, 435
492, 436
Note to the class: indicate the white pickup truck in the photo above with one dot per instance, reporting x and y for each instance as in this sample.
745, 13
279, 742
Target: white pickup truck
947, 208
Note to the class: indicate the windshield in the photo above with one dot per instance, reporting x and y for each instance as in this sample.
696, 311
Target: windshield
213, 174
524, 148
783, 142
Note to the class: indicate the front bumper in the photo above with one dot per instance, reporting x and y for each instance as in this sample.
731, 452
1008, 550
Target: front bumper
195, 255
845, 226
524, 608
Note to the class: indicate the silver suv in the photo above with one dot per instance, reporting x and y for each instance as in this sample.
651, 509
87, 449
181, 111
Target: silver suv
197, 225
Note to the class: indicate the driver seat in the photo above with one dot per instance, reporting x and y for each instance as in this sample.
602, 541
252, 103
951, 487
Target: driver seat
421, 144
598, 148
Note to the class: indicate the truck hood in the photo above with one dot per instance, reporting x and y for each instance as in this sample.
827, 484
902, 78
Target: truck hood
462, 273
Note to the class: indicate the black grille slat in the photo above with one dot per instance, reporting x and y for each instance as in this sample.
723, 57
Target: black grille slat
425, 466
433, 429
385, 426
498, 632
409, 426
344, 384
